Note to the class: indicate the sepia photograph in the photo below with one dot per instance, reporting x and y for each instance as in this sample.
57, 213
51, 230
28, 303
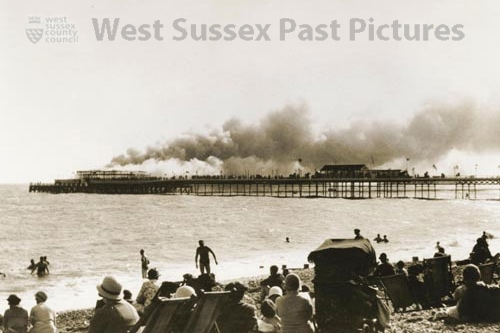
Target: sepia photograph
249, 166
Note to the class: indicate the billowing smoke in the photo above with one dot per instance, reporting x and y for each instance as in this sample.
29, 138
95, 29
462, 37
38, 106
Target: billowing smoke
284, 142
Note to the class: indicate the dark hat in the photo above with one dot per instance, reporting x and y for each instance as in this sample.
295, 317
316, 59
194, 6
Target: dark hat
268, 308
153, 274
383, 255
237, 286
42, 296
127, 294
13, 299
357, 230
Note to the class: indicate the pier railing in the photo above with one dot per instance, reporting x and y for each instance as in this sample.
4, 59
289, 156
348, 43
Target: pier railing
349, 188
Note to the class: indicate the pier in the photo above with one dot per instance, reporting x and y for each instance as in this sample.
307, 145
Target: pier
347, 188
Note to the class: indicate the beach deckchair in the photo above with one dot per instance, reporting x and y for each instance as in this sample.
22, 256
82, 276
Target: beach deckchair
487, 272
162, 315
438, 277
396, 287
207, 310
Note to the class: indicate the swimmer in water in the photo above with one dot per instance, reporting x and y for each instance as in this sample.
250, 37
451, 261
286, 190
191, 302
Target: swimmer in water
41, 268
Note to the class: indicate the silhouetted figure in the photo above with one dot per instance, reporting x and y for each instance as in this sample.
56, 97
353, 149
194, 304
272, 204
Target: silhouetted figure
287, 240
15, 319
144, 264
385, 268
32, 264
440, 252
479, 302
400, 268
378, 239
480, 252
417, 285
385, 240
274, 279
127, 296
202, 251
357, 234
236, 315
41, 268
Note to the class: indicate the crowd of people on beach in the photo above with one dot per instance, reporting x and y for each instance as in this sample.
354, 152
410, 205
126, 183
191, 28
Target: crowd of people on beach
285, 304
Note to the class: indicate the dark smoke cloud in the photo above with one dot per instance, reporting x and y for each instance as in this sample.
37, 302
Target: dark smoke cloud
283, 137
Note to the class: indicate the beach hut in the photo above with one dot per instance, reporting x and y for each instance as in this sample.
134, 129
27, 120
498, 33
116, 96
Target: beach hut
343, 298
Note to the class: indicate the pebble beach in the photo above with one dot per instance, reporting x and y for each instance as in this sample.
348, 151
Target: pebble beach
421, 321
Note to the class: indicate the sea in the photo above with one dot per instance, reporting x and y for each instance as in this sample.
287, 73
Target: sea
89, 236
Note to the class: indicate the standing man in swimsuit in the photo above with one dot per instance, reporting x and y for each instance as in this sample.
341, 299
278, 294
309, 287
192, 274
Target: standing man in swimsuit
202, 251
144, 264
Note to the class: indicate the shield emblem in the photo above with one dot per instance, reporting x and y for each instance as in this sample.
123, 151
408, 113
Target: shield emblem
34, 29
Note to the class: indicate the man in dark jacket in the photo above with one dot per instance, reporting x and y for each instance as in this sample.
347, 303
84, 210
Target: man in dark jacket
237, 316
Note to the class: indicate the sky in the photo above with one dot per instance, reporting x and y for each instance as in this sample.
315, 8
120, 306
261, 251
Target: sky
171, 107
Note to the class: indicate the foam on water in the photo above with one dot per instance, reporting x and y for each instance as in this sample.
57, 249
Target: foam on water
89, 236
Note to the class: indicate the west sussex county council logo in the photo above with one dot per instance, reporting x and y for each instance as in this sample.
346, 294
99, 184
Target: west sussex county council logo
34, 28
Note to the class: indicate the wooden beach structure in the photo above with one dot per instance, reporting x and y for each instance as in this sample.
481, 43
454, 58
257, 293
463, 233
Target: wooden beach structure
312, 186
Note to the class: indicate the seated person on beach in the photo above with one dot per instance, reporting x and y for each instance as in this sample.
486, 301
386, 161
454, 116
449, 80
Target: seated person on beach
480, 252
205, 282
185, 311
117, 315
127, 296
417, 285
274, 279
479, 302
15, 318
237, 316
42, 317
274, 293
269, 322
385, 240
385, 268
378, 239
294, 310
440, 252
400, 268
148, 291
458, 294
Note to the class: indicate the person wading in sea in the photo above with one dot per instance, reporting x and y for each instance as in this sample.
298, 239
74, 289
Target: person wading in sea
202, 251
144, 264
41, 268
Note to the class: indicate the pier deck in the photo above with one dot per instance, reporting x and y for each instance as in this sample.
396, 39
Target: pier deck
349, 188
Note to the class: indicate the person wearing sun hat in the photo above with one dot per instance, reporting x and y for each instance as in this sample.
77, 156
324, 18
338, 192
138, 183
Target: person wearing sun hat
42, 317
274, 293
294, 310
117, 315
15, 318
